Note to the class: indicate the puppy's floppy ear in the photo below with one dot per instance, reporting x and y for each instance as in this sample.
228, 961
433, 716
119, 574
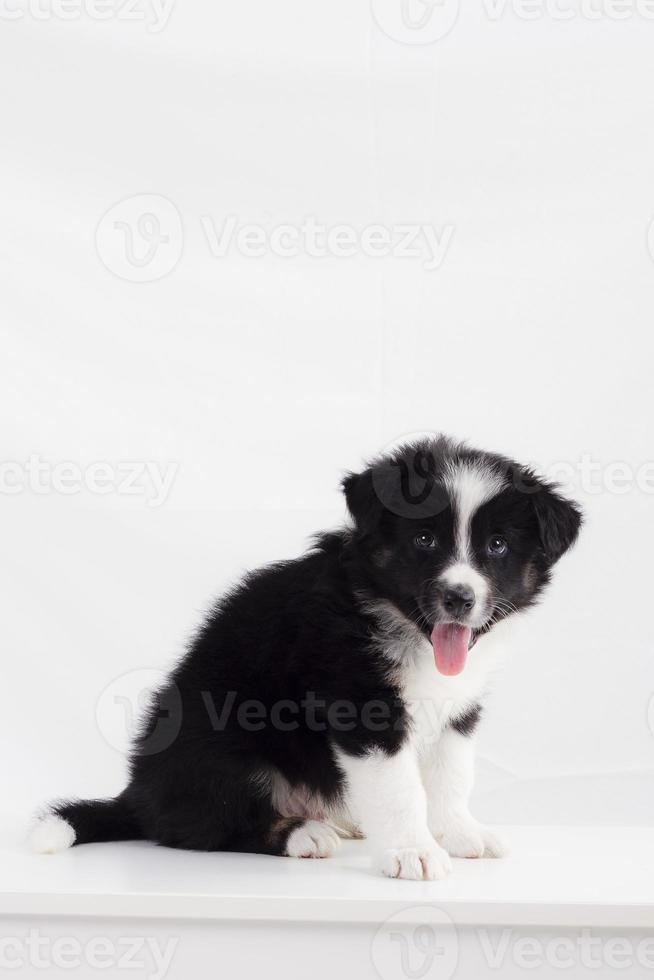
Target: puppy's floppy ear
362, 500
402, 484
559, 520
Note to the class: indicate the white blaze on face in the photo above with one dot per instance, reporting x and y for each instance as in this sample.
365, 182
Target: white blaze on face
469, 485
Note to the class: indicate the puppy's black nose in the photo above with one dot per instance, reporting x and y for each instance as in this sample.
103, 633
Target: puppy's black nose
458, 599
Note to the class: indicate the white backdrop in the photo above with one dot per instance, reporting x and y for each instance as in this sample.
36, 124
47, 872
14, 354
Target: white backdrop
199, 370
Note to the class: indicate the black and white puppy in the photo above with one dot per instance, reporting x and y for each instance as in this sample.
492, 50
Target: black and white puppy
339, 692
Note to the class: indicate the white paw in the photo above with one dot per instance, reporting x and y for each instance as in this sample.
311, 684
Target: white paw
469, 839
427, 863
312, 840
51, 834
495, 846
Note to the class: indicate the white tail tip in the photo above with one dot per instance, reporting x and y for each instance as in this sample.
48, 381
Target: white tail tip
51, 834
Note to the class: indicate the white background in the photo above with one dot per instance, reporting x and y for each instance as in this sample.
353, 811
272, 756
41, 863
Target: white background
261, 379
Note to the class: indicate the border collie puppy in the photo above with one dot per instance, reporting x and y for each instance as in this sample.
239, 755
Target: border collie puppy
337, 694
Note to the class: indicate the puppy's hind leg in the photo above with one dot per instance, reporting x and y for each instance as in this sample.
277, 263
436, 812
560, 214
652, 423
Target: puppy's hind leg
312, 839
287, 836
264, 833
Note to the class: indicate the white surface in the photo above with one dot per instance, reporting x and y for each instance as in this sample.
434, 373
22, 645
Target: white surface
263, 378
555, 877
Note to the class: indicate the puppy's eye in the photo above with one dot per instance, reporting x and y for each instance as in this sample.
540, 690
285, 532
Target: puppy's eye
497, 547
425, 540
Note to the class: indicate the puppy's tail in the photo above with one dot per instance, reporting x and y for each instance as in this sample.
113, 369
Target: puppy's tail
61, 825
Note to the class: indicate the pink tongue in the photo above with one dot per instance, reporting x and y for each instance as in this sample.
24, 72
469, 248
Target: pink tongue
450, 642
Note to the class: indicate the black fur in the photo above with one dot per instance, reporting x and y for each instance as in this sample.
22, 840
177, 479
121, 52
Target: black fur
292, 652
466, 724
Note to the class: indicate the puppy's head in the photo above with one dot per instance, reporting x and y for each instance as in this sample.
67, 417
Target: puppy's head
456, 539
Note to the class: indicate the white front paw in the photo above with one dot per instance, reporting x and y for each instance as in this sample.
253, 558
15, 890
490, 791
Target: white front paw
468, 839
428, 862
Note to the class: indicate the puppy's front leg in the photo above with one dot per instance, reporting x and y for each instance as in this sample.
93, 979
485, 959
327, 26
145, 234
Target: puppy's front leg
448, 774
387, 798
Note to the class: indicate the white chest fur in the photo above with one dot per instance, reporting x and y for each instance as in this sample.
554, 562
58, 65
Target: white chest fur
434, 700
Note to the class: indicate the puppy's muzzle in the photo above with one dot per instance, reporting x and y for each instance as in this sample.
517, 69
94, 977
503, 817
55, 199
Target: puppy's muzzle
458, 601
